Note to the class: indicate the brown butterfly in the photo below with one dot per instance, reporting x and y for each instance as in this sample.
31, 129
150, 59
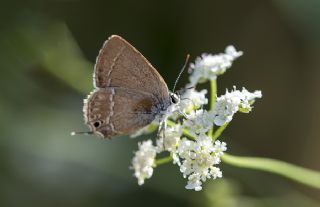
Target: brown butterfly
129, 92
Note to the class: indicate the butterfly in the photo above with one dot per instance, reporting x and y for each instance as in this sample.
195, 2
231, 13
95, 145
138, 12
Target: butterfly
128, 92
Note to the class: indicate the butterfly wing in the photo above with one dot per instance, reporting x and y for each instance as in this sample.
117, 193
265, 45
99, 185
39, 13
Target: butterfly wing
116, 111
119, 64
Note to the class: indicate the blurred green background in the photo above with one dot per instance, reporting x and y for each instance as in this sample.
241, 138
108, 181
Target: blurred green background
47, 52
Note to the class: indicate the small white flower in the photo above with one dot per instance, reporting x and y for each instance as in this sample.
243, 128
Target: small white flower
199, 121
208, 66
193, 99
171, 139
143, 161
219, 148
194, 182
248, 99
227, 105
197, 160
232, 52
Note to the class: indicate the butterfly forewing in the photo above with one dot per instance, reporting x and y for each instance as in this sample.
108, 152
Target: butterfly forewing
119, 64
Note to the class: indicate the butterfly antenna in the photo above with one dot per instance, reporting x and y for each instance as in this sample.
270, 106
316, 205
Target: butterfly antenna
181, 71
86, 133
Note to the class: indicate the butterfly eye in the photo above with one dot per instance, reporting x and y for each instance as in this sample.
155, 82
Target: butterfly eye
174, 98
97, 124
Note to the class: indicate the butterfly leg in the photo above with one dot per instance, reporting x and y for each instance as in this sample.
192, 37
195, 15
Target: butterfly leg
160, 128
161, 134
183, 114
164, 127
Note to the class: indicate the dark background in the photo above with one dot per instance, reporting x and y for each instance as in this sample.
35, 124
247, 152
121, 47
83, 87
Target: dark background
47, 52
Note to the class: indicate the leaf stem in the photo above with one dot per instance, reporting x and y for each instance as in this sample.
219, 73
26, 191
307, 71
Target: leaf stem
164, 160
301, 175
218, 132
213, 95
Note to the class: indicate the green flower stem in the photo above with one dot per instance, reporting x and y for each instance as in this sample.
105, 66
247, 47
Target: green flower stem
184, 131
170, 123
301, 175
163, 160
213, 94
219, 131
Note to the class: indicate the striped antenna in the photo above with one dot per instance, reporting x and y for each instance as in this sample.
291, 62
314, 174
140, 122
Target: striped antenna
181, 71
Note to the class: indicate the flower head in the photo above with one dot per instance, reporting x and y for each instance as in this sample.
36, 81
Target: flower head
199, 122
143, 161
198, 159
227, 105
193, 99
199, 155
171, 139
208, 66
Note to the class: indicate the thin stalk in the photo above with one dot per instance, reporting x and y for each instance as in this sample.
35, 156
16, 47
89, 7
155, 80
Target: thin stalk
218, 132
164, 160
301, 175
213, 95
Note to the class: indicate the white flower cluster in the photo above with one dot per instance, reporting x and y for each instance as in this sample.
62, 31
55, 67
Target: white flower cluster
197, 160
199, 122
171, 139
227, 105
193, 99
187, 138
208, 67
143, 161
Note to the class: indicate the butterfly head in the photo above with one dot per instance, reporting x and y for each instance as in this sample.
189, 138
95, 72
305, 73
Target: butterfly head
174, 98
